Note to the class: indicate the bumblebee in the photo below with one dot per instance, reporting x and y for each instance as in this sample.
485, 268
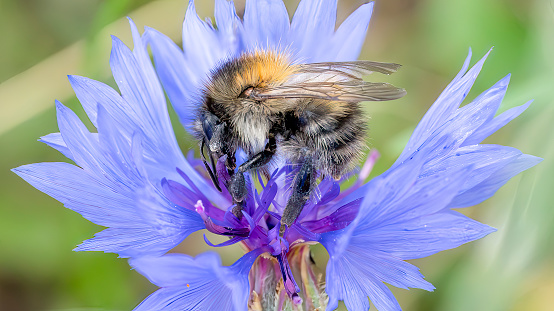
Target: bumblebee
309, 114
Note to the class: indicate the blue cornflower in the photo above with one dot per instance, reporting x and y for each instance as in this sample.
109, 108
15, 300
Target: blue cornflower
132, 177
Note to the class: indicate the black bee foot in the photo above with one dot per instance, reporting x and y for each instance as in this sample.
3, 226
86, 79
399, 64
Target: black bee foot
237, 187
237, 209
294, 207
282, 230
300, 193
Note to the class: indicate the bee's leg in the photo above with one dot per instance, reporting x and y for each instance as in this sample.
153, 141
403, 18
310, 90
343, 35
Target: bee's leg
214, 142
236, 187
237, 184
300, 193
262, 158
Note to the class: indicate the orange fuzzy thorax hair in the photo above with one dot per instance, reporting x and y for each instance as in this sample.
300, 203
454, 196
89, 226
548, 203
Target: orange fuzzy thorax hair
262, 69
257, 69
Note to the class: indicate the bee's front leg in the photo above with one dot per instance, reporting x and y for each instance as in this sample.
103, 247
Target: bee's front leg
213, 143
237, 184
300, 193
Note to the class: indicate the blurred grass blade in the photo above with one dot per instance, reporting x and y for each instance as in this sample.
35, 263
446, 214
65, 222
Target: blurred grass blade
23, 96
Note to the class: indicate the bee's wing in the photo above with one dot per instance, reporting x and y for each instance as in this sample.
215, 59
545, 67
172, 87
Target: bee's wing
346, 70
352, 91
340, 81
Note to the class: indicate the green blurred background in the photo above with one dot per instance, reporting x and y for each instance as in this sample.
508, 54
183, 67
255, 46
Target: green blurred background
44, 40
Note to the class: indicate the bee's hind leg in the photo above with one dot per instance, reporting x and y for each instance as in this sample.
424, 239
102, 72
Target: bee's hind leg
300, 193
237, 184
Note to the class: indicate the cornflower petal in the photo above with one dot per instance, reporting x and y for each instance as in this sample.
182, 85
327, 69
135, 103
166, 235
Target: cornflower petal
405, 212
118, 183
110, 189
55, 140
199, 283
179, 79
201, 44
313, 24
445, 105
266, 24
229, 25
495, 124
358, 254
426, 235
182, 71
488, 187
362, 273
347, 42
141, 107
484, 159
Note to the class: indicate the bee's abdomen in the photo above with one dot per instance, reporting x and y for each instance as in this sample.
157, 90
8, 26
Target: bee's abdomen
340, 149
333, 133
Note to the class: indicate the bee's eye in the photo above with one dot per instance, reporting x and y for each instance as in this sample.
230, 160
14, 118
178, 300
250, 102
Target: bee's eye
246, 92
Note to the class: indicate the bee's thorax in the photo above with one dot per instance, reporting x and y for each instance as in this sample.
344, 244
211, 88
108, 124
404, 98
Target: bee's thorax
226, 95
